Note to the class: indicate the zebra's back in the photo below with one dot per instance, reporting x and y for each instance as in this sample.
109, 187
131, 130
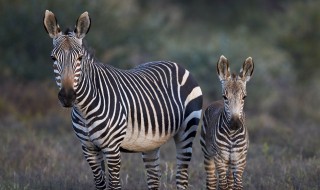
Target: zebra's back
158, 96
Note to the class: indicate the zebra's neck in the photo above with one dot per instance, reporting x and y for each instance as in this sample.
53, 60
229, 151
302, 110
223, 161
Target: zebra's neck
96, 87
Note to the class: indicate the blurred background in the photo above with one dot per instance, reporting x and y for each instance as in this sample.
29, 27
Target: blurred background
38, 149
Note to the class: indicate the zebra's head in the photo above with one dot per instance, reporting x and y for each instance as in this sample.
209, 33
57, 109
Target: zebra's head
67, 55
234, 90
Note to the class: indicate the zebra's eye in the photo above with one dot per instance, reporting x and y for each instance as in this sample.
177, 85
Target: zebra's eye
225, 97
79, 58
53, 58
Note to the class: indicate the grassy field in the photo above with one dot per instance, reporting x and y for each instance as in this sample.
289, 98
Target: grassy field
40, 151
48, 156
38, 148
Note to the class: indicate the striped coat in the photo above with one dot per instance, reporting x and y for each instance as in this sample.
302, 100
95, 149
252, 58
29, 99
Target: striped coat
224, 137
116, 110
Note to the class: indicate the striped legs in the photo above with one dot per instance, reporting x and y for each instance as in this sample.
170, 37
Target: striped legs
184, 152
209, 165
236, 179
95, 159
211, 179
230, 179
151, 162
222, 169
229, 176
114, 161
236, 171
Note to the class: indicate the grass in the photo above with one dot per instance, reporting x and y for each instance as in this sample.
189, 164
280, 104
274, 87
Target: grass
40, 151
49, 157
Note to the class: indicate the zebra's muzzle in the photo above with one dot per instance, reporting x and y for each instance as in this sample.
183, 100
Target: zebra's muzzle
235, 123
67, 97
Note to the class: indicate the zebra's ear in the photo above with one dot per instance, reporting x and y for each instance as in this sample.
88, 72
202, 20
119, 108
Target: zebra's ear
50, 24
247, 69
223, 69
82, 25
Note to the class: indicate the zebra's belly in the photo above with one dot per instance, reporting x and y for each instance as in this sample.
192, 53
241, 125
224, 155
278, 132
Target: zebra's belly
140, 142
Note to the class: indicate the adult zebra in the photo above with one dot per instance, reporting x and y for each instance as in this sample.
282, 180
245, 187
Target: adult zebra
117, 110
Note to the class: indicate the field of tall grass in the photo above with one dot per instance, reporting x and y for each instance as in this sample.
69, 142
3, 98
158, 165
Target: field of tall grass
40, 151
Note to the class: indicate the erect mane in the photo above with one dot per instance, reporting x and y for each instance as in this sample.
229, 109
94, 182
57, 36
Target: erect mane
90, 51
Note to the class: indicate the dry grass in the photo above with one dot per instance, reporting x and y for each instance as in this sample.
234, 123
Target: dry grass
48, 156
39, 151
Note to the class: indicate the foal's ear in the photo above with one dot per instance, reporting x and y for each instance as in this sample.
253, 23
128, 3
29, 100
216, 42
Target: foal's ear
82, 25
247, 69
223, 69
50, 24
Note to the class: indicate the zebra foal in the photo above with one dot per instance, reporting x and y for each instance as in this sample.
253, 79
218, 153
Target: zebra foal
116, 110
224, 137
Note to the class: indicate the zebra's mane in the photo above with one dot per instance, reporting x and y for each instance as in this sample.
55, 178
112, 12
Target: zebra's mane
89, 50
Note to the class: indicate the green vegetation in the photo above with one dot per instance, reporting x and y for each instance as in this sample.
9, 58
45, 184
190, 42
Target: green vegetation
38, 148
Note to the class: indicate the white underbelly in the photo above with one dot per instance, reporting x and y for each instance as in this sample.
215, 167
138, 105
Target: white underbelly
141, 142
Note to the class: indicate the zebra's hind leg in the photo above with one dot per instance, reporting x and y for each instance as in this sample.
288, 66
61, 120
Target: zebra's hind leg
211, 179
183, 140
94, 158
151, 162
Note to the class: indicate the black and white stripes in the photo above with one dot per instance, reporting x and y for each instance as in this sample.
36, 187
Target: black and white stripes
224, 137
117, 110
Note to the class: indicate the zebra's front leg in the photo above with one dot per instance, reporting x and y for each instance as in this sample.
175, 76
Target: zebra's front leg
114, 162
95, 160
237, 180
237, 172
222, 169
230, 179
151, 163
211, 179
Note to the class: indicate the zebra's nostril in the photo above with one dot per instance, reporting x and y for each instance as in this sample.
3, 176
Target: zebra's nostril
67, 97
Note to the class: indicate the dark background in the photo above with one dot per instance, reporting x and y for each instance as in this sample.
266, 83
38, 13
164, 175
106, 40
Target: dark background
38, 149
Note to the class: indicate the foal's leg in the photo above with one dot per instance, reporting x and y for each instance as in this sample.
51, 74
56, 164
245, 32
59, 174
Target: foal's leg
211, 179
222, 169
237, 169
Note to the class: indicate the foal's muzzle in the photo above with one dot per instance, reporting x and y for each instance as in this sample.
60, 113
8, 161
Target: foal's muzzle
67, 97
235, 123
